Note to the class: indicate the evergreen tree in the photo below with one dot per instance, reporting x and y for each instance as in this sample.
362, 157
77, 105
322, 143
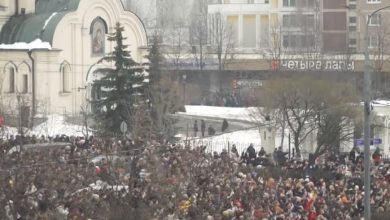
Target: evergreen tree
163, 95
122, 88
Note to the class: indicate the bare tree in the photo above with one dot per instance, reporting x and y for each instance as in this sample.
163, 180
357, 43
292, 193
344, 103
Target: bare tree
177, 44
380, 45
309, 105
296, 36
199, 32
221, 39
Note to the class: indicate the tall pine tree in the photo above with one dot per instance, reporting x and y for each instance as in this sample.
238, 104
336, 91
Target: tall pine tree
163, 95
122, 88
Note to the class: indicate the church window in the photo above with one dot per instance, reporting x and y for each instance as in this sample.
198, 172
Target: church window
11, 80
65, 78
25, 83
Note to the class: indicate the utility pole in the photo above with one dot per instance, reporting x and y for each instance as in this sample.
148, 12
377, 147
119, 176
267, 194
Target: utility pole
367, 121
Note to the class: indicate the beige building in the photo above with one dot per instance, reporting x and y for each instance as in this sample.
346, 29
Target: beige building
57, 76
378, 27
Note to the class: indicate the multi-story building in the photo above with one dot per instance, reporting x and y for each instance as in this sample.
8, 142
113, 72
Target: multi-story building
292, 26
378, 26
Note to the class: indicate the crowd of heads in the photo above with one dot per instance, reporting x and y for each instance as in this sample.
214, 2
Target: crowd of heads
154, 181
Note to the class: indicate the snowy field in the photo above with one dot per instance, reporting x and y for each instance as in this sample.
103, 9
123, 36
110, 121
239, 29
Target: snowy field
243, 114
55, 124
241, 139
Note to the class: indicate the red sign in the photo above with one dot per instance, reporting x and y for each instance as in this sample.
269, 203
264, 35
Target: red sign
1, 121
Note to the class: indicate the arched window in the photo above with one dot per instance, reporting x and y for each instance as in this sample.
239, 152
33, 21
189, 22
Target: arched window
98, 33
25, 83
11, 81
23, 78
65, 78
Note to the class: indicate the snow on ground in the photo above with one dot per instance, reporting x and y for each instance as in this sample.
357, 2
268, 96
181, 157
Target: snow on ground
245, 114
381, 102
242, 139
56, 125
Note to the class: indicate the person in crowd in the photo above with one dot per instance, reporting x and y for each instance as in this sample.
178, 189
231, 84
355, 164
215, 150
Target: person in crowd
210, 131
202, 127
376, 156
250, 154
225, 125
170, 181
262, 152
195, 128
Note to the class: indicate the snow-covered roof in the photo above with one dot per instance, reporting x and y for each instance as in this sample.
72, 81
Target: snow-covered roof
35, 44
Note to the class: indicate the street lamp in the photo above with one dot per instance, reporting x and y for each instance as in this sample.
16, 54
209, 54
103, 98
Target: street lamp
20, 129
367, 110
184, 88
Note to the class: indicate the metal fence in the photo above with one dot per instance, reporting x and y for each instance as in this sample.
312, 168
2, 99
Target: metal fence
218, 146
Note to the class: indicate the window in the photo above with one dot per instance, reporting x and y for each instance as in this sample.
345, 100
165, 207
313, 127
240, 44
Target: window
352, 42
11, 80
65, 78
25, 83
352, 28
373, 41
306, 21
309, 21
309, 3
298, 41
290, 20
352, 20
375, 20
373, 1
288, 3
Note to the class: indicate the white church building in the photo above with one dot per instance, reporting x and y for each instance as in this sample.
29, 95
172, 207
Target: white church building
49, 51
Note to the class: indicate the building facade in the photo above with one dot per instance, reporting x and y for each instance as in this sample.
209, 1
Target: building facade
58, 78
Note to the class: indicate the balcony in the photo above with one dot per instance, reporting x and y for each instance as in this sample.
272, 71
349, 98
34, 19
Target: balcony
240, 6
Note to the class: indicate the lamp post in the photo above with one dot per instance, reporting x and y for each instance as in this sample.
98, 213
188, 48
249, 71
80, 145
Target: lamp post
367, 111
184, 88
20, 129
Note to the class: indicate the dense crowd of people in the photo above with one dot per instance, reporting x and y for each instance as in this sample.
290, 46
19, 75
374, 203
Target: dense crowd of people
153, 181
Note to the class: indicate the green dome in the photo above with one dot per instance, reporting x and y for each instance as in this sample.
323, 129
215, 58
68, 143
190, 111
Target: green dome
42, 24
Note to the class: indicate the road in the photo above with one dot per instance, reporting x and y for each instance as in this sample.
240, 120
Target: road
185, 121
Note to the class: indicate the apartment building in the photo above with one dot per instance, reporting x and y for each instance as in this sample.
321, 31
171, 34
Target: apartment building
293, 25
378, 26
334, 26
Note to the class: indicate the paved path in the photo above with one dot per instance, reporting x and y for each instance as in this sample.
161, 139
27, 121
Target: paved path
216, 123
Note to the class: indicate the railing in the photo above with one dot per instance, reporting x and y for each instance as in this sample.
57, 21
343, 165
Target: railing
219, 146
